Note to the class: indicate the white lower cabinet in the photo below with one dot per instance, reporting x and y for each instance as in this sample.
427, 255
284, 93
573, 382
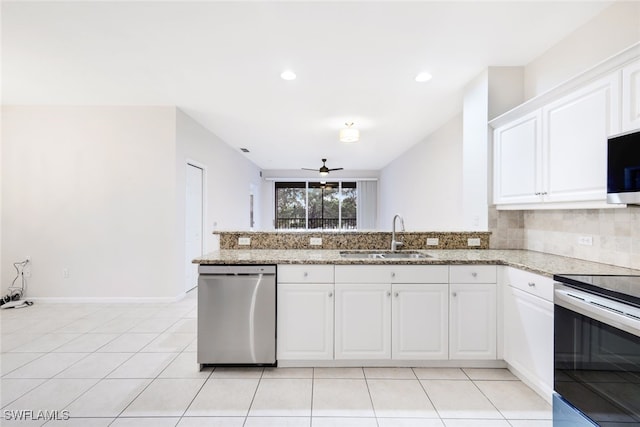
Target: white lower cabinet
363, 321
305, 321
528, 328
420, 321
387, 312
473, 312
305, 313
472, 321
391, 311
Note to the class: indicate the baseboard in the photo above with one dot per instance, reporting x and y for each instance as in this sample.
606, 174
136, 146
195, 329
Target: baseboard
392, 363
106, 300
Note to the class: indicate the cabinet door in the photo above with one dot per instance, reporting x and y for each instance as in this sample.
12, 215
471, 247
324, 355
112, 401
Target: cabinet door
528, 338
420, 321
472, 320
363, 321
305, 321
631, 97
575, 131
517, 161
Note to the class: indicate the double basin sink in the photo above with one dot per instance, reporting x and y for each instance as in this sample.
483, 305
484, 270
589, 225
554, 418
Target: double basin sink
383, 255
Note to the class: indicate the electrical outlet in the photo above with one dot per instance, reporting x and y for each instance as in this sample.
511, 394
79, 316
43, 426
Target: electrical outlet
585, 240
432, 241
65, 273
315, 241
473, 241
244, 241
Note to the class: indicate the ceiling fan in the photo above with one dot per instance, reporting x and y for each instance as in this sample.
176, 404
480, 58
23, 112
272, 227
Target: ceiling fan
324, 170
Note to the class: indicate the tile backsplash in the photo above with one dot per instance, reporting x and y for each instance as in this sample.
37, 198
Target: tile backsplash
614, 233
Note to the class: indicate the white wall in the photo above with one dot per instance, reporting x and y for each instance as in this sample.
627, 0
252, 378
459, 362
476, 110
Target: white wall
610, 32
424, 184
100, 191
92, 190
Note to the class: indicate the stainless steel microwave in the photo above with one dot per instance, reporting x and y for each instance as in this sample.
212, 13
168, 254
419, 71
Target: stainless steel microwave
623, 168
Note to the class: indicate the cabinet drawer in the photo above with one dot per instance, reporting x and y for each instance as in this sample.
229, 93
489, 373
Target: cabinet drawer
305, 274
472, 274
392, 274
531, 283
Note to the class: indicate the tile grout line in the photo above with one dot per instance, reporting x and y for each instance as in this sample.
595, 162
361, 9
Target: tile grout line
427, 394
194, 396
253, 398
366, 381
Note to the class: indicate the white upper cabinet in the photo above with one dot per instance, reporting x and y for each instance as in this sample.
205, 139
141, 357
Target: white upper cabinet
631, 97
517, 153
551, 152
575, 131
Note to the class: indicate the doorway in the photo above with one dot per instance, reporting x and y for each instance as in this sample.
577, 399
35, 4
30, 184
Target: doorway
194, 223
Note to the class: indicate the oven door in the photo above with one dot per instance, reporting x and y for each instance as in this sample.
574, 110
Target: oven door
597, 357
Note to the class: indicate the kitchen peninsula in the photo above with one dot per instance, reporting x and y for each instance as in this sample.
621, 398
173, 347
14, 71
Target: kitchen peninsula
432, 307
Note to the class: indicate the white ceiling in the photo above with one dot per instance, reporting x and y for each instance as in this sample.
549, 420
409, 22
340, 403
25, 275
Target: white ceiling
221, 62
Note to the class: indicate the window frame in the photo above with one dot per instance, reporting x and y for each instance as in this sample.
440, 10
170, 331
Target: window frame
316, 183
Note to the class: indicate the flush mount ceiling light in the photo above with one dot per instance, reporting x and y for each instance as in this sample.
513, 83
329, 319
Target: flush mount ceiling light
423, 77
349, 134
288, 75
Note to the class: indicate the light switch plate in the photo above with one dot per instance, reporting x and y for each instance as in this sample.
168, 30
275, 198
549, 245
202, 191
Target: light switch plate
432, 241
473, 241
315, 241
244, 241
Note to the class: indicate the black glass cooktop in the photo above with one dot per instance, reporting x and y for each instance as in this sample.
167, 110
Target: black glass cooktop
621, 288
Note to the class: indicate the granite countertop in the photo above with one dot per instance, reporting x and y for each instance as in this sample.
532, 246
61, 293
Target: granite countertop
535, 262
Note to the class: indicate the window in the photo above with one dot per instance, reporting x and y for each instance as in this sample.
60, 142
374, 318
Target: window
316, 205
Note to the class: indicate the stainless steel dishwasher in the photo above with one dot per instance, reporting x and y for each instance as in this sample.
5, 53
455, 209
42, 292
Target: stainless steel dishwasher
237, 315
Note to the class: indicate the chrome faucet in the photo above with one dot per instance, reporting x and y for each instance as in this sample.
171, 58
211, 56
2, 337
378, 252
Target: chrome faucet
394, 242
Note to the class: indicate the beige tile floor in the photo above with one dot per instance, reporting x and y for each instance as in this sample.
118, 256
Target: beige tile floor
135, 365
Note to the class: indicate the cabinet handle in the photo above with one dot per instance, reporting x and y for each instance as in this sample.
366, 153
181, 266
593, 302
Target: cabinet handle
330, 294
455, 294
544, 193
393, 274
305, 274
397, 294
388, 293
531, 284
474, 274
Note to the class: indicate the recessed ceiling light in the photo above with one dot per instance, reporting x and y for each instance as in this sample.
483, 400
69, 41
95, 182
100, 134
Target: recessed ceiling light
423, 77
288, 75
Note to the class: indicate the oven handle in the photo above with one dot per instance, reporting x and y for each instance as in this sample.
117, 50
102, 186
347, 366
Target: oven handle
612, 313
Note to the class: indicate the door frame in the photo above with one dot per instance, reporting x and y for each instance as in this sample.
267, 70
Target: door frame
205, 246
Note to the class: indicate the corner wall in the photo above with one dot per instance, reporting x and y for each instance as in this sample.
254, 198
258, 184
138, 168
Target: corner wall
424, 184
229, 179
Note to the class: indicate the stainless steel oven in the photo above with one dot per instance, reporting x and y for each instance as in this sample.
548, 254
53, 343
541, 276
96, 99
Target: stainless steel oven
596, 351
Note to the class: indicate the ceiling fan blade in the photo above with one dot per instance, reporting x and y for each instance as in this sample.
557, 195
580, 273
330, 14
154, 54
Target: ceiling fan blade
336, 169
307, 169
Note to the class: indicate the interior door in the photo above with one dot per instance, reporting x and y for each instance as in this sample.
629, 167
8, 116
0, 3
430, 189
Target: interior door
193, 223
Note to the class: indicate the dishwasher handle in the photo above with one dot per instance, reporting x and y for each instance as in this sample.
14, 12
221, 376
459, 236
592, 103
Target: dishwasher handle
237, 269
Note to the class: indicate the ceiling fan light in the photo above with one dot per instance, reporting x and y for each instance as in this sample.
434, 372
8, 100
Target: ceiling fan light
349, 134
324, 173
